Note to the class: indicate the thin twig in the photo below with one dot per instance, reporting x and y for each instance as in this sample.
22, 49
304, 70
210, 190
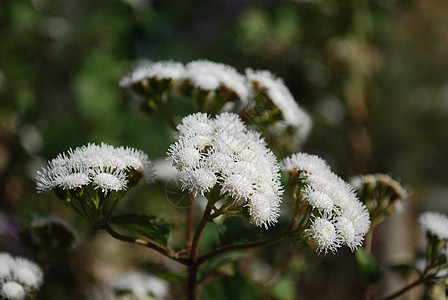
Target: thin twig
405, 289
150, 244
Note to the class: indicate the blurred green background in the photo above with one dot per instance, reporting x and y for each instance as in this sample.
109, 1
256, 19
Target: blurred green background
372, 74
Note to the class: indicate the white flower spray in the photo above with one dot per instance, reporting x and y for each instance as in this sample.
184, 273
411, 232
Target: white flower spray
105, 167
19, 277
337, 216
222, 152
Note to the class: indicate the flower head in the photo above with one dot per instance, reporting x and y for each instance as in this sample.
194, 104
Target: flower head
292, 115
18, 276
141, 285
324, 234
210, 76
27, 272
435, 224
13, 290
381, 194
159, 70
222, 152
103, 166
332, 200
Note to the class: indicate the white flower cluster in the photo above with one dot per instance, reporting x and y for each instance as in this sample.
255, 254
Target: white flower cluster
338, 217
222, 151
103, 166
378, 188
18, 277
203, 74
293, 115
140, 285
159, 70
211, 76
435, 224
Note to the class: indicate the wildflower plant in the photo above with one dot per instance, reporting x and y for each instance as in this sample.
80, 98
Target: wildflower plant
222, 155
86, 177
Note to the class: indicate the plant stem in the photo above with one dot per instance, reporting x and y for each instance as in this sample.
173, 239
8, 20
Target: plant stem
405, 289
192, 284
150, 244
190, 224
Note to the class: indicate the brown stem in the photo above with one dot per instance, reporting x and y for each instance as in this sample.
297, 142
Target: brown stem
192, 285
190, 224
405, 289
153, 245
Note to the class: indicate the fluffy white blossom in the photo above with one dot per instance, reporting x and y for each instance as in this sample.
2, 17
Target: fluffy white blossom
6, 263
324, 234
332, 200
210, 76
17, 276
27, 272
12, 290
275, 89
140, 285
222, 151
104, 166
435, 224
159, 70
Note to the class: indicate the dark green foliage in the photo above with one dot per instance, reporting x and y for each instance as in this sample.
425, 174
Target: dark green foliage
151, 227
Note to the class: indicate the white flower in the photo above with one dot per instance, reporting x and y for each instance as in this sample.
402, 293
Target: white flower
347, 232
435, 224
210, 76
331, 198
318, 199
305, 162
381, 187
141, 285
6, 263
82, 166
231, 156
13, 290
282, 98
324, 234
159, 70
108, 180
198, 180
27, 273
18, 274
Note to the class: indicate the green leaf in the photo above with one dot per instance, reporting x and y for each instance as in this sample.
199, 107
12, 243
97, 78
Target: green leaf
369, 268
173, 277
235, 287
237, 230
284, 289
220, 261
150, 227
